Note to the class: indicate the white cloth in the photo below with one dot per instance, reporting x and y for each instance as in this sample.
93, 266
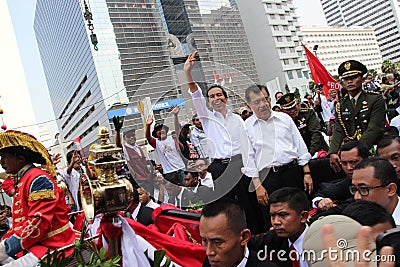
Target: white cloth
298, 246
28, 260
157, 192
396, 214
198, 138
152, 205
178, 199
396, 122
207, 181
273, 142
131, 254
169, 155
326, 109
223, 133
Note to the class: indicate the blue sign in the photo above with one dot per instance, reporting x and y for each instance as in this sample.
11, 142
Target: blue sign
130, 110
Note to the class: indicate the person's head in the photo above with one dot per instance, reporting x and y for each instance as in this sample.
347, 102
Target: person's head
130, 137
185, 131
196, 121
332, 93
289, 105
244, 113
309, 100
276, 108
223, 232
201, 167
385, 80
352, 153
76, 156
18, 149
160, 131
191, 179
289, 212
374, 179
371, 214
368, 78
389, 148
217, 98
144, 196
173, 189
352, 73
259, 104
390, 131
278, 95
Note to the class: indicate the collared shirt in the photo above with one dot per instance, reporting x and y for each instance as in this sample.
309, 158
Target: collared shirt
178, 199
243, 262
298, 245
207, 181
198, 138
272, 142
223, 134
355, 97
326, 109
135, 147
396, 213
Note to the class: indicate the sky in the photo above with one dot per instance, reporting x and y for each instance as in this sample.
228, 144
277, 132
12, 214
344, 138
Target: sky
22, 14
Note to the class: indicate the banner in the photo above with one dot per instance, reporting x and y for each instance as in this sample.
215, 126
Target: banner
320, 74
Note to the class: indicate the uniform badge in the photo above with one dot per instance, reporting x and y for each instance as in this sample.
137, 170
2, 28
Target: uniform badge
346, 109
347, 65
365, 102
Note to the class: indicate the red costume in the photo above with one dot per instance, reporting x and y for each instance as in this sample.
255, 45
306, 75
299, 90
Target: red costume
40, 215
138, 164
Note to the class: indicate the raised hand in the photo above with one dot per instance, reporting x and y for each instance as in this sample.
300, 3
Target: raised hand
190, 61
175, 110
149, 120
118, 122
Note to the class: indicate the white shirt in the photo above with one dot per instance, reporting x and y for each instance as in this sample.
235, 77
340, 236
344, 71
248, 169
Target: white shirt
396, 214
178, 199
223, 133
274, 142
298, 246
326, 109
73, 182
169, 156
207, 181
151, 204
199, 139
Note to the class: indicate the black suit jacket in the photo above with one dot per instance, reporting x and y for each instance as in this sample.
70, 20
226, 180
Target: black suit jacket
252, 261
188, 197
269, 241
144, 215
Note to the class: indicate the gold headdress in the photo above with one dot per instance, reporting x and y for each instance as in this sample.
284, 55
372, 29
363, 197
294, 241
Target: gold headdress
28, 146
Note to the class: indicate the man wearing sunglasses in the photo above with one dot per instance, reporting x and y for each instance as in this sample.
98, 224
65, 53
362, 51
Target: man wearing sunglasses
374, 179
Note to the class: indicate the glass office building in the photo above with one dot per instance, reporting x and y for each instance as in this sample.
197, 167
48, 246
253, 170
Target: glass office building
142, 46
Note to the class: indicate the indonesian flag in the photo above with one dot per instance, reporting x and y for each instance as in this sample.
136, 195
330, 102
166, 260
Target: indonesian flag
216, 77
223, 80
320, 74
77, 141
230, 77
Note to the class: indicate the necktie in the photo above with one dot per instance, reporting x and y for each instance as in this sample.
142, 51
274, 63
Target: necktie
294, 256
353, 101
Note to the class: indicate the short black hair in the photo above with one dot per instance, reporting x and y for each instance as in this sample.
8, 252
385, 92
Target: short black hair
295, 197
390, 131
194, 174
194, 117
263, 87
251, 89
279, 92
217, 86
387, 141
234, 213
368, 213
361, 148
383, 169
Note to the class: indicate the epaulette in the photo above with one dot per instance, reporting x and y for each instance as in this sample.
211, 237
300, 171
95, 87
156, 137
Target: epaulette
372, 92
304, 110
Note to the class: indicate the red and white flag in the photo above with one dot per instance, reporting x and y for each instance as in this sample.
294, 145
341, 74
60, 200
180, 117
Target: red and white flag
223, 80
320, 74
230, 77
216, 77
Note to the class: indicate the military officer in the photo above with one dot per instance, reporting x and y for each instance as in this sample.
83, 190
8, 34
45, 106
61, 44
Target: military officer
306, 121
360, 114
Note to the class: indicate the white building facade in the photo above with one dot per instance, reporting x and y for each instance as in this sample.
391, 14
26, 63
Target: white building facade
338, 44
383, 16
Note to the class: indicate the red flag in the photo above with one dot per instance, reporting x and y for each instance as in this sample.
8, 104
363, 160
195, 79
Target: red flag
320, 74
77, 140
223, 80
216, 77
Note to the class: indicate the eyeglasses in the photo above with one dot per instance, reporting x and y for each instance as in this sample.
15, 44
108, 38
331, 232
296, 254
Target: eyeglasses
364, 190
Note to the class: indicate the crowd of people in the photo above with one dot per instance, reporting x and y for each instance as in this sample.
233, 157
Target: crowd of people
266, 178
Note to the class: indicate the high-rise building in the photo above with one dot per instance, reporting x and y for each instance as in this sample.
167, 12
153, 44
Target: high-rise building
383, 16
334, 45
141, 47
274, 36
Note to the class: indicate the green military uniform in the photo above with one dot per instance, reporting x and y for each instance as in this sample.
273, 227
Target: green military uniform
310, 130
306, 121
366, 120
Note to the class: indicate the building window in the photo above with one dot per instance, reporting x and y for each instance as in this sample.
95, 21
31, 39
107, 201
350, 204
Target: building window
285, 28
299, 74
305, 73
269, 5
283, 50
279, 38
286, 61
290, 75
282, 17
276, 28
295, 60
272, 16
